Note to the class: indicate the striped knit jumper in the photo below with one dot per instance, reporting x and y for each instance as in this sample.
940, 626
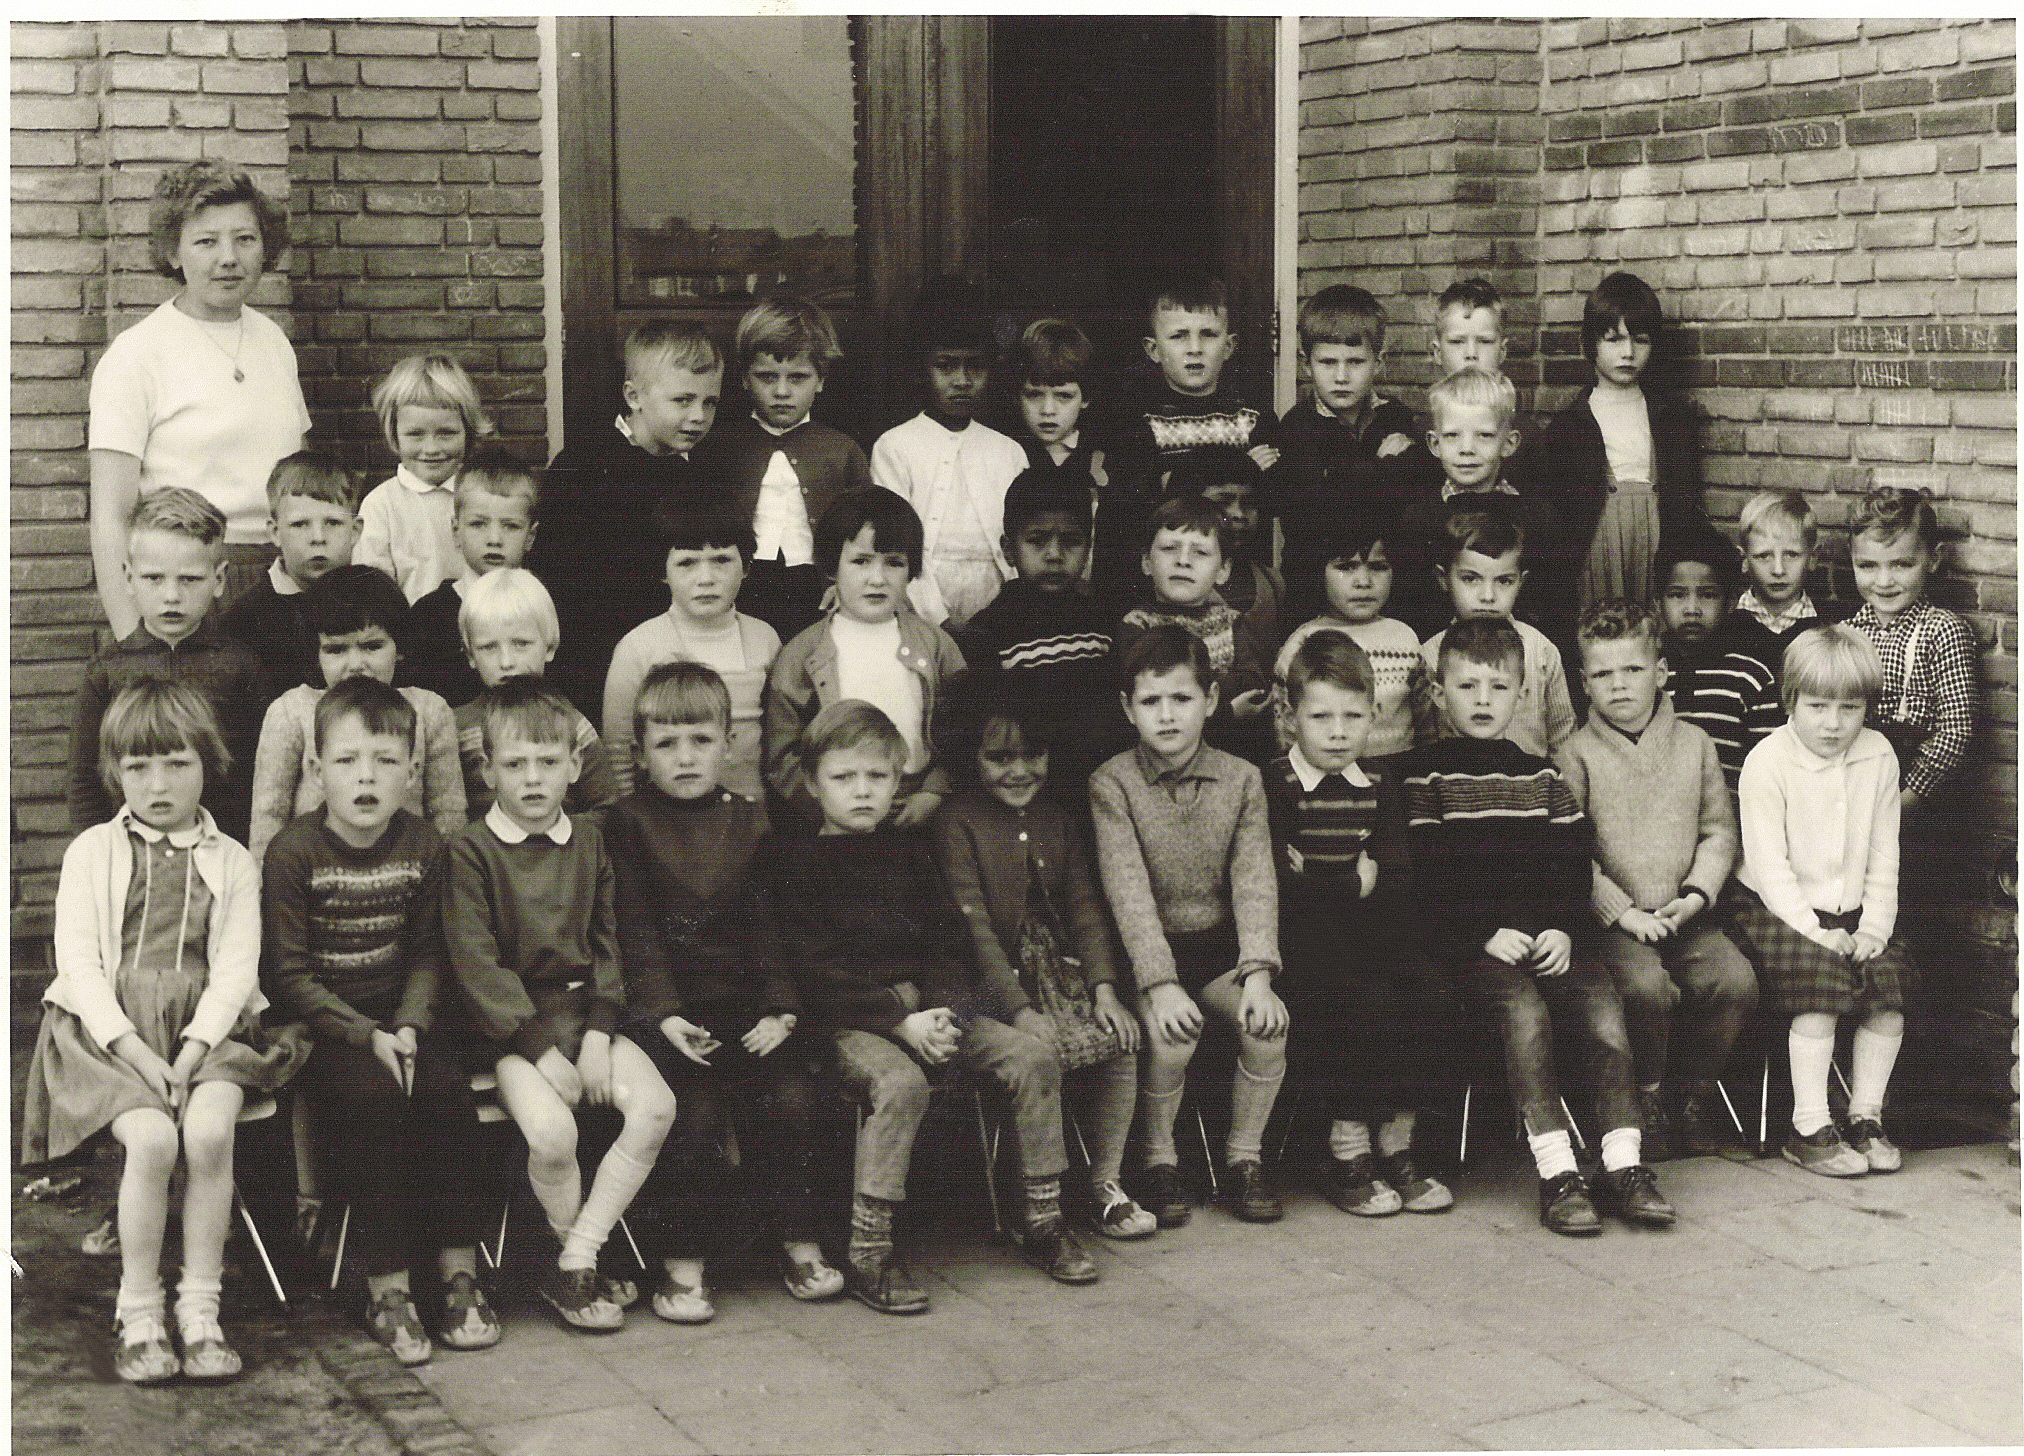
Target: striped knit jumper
1727, 686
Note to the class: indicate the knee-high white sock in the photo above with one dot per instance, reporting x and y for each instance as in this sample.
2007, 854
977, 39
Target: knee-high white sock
1874, 1056
1348, 1139
1622, 1147
1396, 1136
147, 1297
1251, 1099
1161, 1110
1553, 1152
559, 1200
618, 1179
1811, 1056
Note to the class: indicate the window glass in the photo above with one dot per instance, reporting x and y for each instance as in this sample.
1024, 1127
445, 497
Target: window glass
735, 158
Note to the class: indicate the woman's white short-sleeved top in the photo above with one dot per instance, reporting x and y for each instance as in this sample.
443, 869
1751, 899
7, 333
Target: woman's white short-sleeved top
165, 393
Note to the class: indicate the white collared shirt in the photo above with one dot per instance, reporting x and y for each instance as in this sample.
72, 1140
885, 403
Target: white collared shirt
780, 521
405, 530
1310, 776
284, 584
511, 831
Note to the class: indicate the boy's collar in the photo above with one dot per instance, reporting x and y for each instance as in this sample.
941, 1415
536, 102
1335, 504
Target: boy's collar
776, 434
624, 427
1309, 775
1355, 423
331, 830
511, 831
941, 422
1449, 490
1156, 770
284, 585
143, 640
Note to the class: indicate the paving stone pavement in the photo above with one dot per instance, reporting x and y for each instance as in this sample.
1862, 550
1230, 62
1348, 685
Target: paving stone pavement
1785, 1310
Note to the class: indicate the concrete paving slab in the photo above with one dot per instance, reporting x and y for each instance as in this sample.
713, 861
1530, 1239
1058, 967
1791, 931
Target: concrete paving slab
731, 1369
1595, 1426
1089, 1412
1687, 1374
1970, 1384
1344, 1330
1978, 1300
1760, 1299
1837, 1415
847, 1423
519, 1380
1486, 1379
636, 1429
1817, 1234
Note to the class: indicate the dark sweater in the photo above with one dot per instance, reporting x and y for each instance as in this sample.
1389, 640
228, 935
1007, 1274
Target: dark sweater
353, 938
861, 915
695, 932
276, 629
222, 669
1329, 470
1326, 923
432, 648
1056, 647
1498, 842
1570, 467
1726, 686
991, 855
599, 554
828, 463
1419, 600
525, 920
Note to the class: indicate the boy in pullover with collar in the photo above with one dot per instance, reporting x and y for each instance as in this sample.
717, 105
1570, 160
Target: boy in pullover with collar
1665, 840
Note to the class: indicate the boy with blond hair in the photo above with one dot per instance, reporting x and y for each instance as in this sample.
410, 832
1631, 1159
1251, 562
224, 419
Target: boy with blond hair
1777, 534
600, 554
496, 509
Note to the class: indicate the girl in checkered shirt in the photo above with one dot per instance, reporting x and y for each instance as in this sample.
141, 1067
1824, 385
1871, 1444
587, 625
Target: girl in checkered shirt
1926, 707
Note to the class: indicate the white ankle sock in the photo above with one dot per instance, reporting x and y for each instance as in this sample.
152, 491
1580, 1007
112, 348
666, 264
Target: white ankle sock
1347, 1139
1396, 1136
1553, 1152
1874, 1056
1161, 1108
561, 1200
1251, 1099
1622, 1147
1811, 1056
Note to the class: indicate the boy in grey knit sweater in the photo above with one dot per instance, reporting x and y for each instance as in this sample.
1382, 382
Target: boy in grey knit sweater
1665, 841
1185, 851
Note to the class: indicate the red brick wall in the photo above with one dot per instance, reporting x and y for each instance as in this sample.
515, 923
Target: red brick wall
416, 157
99, 108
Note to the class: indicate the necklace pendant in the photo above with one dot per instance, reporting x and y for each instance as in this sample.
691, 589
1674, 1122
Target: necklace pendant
238, 375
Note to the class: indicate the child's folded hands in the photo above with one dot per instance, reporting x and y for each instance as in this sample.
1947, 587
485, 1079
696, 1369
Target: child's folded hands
1646, 927
593, 1066
1552, 950
765, 1034
1865, 946
933, 1034
1513, 947
561, 1074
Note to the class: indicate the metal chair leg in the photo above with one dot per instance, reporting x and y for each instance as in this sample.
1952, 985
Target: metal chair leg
1468, 1092
260, 1246
496, 1257
1737, 1121
632, 1243
1764, 1106
987, 1146
1573, 1126
1202, 1130
337, 1263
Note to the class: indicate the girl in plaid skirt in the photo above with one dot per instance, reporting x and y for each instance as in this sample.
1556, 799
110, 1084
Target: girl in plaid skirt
1817, 894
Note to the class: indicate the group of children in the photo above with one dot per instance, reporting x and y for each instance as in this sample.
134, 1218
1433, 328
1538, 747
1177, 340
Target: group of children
977, 755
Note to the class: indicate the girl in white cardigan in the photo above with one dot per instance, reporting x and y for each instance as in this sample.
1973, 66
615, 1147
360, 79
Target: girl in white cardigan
149, 1024
1817, 894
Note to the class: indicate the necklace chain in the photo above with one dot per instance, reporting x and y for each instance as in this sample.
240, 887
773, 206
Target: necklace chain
232, 355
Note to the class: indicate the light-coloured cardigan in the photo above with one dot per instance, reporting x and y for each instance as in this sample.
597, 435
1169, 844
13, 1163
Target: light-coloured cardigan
91, 914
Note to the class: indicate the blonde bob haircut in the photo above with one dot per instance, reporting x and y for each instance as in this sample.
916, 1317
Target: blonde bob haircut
1474, 388
1831, 662
160, 715
429, 381
509, 595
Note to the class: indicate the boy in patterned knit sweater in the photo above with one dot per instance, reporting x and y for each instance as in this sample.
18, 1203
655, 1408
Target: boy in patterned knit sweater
1665, 841
1501, 864
1338, 835
351, 900
1183, 844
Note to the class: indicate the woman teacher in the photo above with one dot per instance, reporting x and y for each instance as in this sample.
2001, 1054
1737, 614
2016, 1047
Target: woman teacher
202, 392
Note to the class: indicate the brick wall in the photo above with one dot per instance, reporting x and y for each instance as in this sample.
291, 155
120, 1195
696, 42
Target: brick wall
1827, 208
98, 109
416, 156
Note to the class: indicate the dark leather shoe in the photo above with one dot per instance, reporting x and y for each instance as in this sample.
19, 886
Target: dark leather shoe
1418, 1192
1163, 1194
1054, 1248
1565, 1208
1632, 1194
1250, 1199
885, 1285
1658, 1142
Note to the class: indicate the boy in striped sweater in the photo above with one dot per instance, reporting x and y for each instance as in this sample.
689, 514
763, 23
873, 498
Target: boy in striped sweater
1338, 835
1721, 665
1665, 841
1501, 857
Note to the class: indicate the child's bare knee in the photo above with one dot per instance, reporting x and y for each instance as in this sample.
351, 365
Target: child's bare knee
207, 1145
150, 1140
551, 1141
